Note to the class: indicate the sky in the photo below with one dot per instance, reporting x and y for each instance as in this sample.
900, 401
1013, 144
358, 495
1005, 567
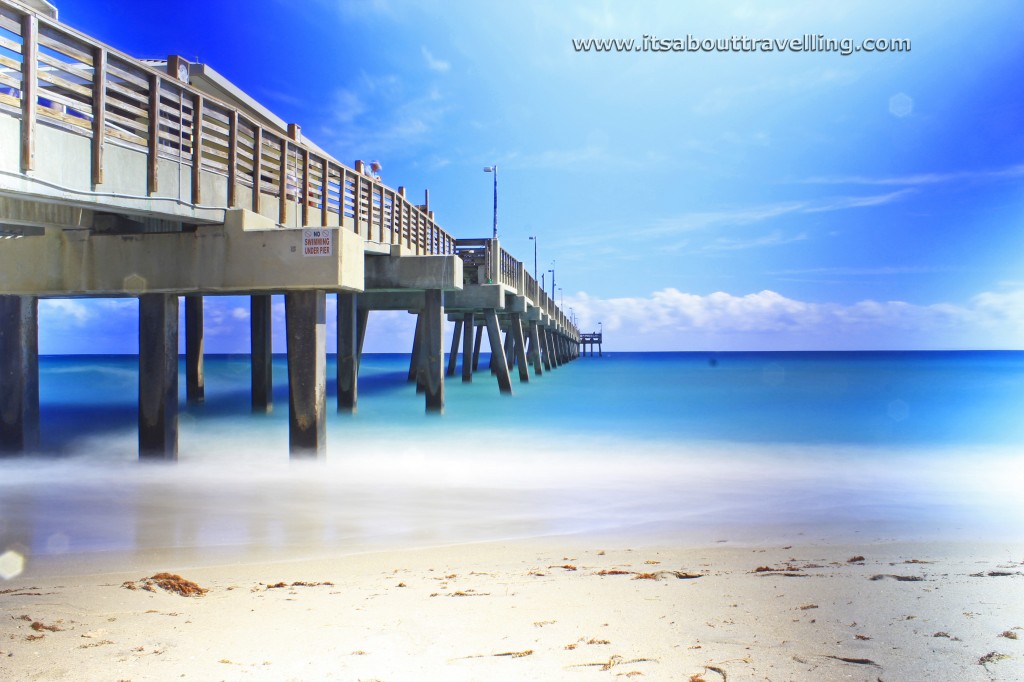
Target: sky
685, 200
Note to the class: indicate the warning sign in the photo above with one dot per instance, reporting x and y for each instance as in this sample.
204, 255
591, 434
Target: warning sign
317, 242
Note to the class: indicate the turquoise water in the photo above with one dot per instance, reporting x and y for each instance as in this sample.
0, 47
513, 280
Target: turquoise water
679, 448
880, 399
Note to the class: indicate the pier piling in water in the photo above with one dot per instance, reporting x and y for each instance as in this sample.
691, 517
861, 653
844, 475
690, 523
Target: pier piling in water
305, 319
19, 374
348, 351
262, 356
497, 356
453, 355
432, 350
158, 376
195, 382
468, 348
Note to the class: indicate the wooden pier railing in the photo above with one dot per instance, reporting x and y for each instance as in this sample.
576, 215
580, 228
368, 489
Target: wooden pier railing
52, 75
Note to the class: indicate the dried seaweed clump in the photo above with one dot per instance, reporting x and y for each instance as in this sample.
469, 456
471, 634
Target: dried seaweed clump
169, 582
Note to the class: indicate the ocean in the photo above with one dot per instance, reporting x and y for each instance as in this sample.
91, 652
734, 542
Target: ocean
680, 448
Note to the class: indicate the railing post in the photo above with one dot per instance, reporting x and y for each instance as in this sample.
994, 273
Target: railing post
257, 167
325, 177
232, 159
99, 112
152, 174
282, 181
29, 57
197, 148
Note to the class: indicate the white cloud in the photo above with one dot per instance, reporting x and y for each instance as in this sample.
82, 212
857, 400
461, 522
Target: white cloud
920, 179
673, 320
77, 312
435, 64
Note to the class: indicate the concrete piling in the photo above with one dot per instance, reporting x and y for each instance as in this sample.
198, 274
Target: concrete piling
19, 374
305, 318
535, 349
497, 356
468, 349
476, 347
453, 355
158, 376
516, 330
348, 351
415, 357
432, 350
260, 327
195, 380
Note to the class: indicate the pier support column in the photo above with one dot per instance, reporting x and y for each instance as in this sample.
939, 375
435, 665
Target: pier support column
453, 355
468, 349
305, 317
545, 347
348, 351
195, 380
431, 370
260, 327
158, 376
535, 349
415, 358
510, 348
497, 356
19, 374
516, 330
476, 347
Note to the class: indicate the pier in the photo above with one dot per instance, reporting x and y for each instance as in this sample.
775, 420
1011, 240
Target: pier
590, 339
162, 181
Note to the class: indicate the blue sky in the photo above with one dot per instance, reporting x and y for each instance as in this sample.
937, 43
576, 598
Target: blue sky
686, 200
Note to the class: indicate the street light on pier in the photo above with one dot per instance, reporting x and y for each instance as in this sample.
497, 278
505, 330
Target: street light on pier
552, 271
494, 169
534, 240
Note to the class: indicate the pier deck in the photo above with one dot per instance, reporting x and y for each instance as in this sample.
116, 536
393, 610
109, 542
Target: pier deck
161, 180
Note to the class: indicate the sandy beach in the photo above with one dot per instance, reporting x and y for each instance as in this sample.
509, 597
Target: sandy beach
540, 609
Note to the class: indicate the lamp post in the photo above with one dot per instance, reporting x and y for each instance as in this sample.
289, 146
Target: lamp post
552, 271
561, 296
494, 169
534, 240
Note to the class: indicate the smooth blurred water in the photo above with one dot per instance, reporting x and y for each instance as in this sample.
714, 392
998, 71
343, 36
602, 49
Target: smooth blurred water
877, 398
689, 447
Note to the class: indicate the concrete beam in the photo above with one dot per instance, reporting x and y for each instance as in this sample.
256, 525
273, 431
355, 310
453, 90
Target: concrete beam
386, 273
476, 297
19, 374
158, 376
391, 300
305, 315
236, 257
515, 304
